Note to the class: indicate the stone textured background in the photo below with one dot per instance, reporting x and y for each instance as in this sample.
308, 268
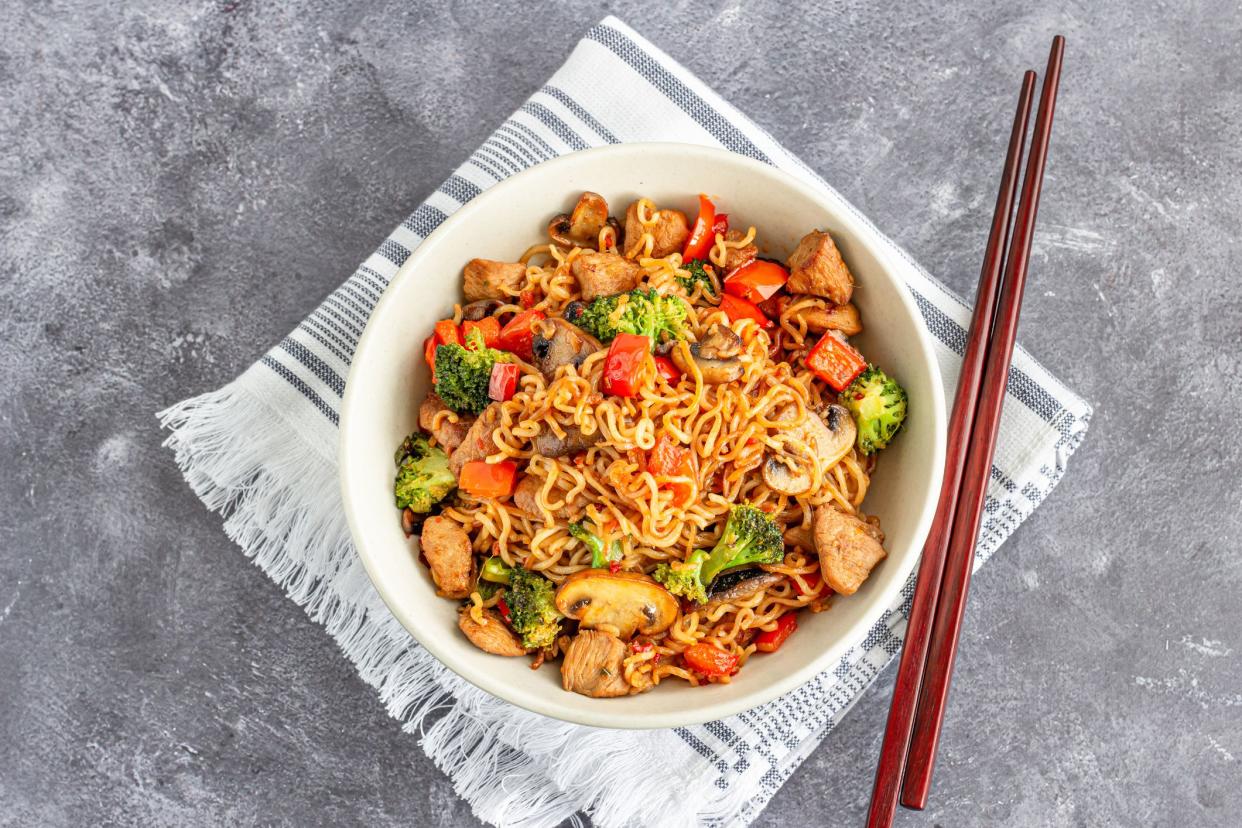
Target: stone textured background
181, 182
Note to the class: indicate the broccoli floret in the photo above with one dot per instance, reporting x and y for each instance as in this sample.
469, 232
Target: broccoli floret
463, 373
750, 537
878, 404
423, 476
494, 575
532, 608
698, 273
645, 313
600, 557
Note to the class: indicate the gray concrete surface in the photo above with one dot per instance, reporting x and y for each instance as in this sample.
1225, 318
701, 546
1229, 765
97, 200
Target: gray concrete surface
181, 182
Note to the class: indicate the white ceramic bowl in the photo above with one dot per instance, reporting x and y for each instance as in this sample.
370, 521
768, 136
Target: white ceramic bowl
389, 379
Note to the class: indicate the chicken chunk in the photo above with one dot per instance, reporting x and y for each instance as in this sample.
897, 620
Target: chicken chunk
448, 434
526, 494
446, 547
816, 267
604, 274
557, 342
486, 279
593, 665
848, 549
477, 442
492, 636
574, 441
668, 235
738, 256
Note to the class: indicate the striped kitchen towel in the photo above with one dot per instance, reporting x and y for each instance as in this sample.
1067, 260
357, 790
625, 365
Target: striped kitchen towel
262, 452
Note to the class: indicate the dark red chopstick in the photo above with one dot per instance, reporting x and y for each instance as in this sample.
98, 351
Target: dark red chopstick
951, 604
909, 673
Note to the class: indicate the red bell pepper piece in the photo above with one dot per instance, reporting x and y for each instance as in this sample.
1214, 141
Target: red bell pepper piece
489, 480
429, 354
668, 459
814, 581
756, 281
623, 364
519, 333
667, 369
737, 308
503, 382
447, 333
505, 614
835, 361
701, 237
720, 225
710, 661
770, 641
489, 326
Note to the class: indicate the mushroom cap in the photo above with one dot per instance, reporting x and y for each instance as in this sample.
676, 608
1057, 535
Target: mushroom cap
623, 603
830, 433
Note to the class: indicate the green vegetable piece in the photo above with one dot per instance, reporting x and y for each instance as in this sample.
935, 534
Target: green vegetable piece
423, 476
698, 274
532, 608
878, 405
749, 537
496, 570
600, 557
645, 313
463, 373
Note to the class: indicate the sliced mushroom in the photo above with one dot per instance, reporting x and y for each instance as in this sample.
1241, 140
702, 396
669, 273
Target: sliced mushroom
446, 548
742, 590
594, 665
483, 308
843, 318
581, 228
557, 342
622, 603
830, 435
716, 356
574, 441
848, 549
781, 476
492, 636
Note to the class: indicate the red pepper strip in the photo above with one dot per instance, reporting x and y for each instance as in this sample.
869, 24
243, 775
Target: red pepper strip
770, 641
489, 326
528, 298
505, 615
835, 361
429, 354
701, 238
447, 333
813, 582
503, 382
488, 480
720, 225
737, 308
710, 661
666, 456
519, 333
623, 364
668, 370
756, 281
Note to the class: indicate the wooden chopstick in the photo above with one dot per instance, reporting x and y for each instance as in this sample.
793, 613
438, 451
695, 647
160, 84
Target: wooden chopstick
951, 604
909, 673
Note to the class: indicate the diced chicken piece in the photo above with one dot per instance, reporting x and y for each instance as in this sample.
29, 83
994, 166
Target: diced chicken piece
668, 235
801, 537
448, 434
603, 274
487, 279
526, 494
477, 442
574, 441
816, 267
738, 256
593, 665
848, 549
446, 547
557, 342
492, 636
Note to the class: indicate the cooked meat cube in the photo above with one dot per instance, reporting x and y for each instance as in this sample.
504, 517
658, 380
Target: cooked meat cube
446, 547
557, 342
526, 493
593, 665
816, 267
668, 235
848, 549
801, 537
448, 434
738, 256
486, 279
477, 442
603, 274
574, 441
492, 636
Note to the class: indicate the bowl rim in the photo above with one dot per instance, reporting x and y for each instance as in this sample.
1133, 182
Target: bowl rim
860, 230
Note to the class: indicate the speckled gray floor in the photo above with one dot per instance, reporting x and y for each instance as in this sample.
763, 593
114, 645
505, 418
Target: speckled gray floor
181, 182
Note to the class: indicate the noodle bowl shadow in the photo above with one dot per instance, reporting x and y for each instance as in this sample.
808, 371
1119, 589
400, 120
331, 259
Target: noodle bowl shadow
388, 379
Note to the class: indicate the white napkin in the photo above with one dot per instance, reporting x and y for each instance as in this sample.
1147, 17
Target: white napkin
262, 452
